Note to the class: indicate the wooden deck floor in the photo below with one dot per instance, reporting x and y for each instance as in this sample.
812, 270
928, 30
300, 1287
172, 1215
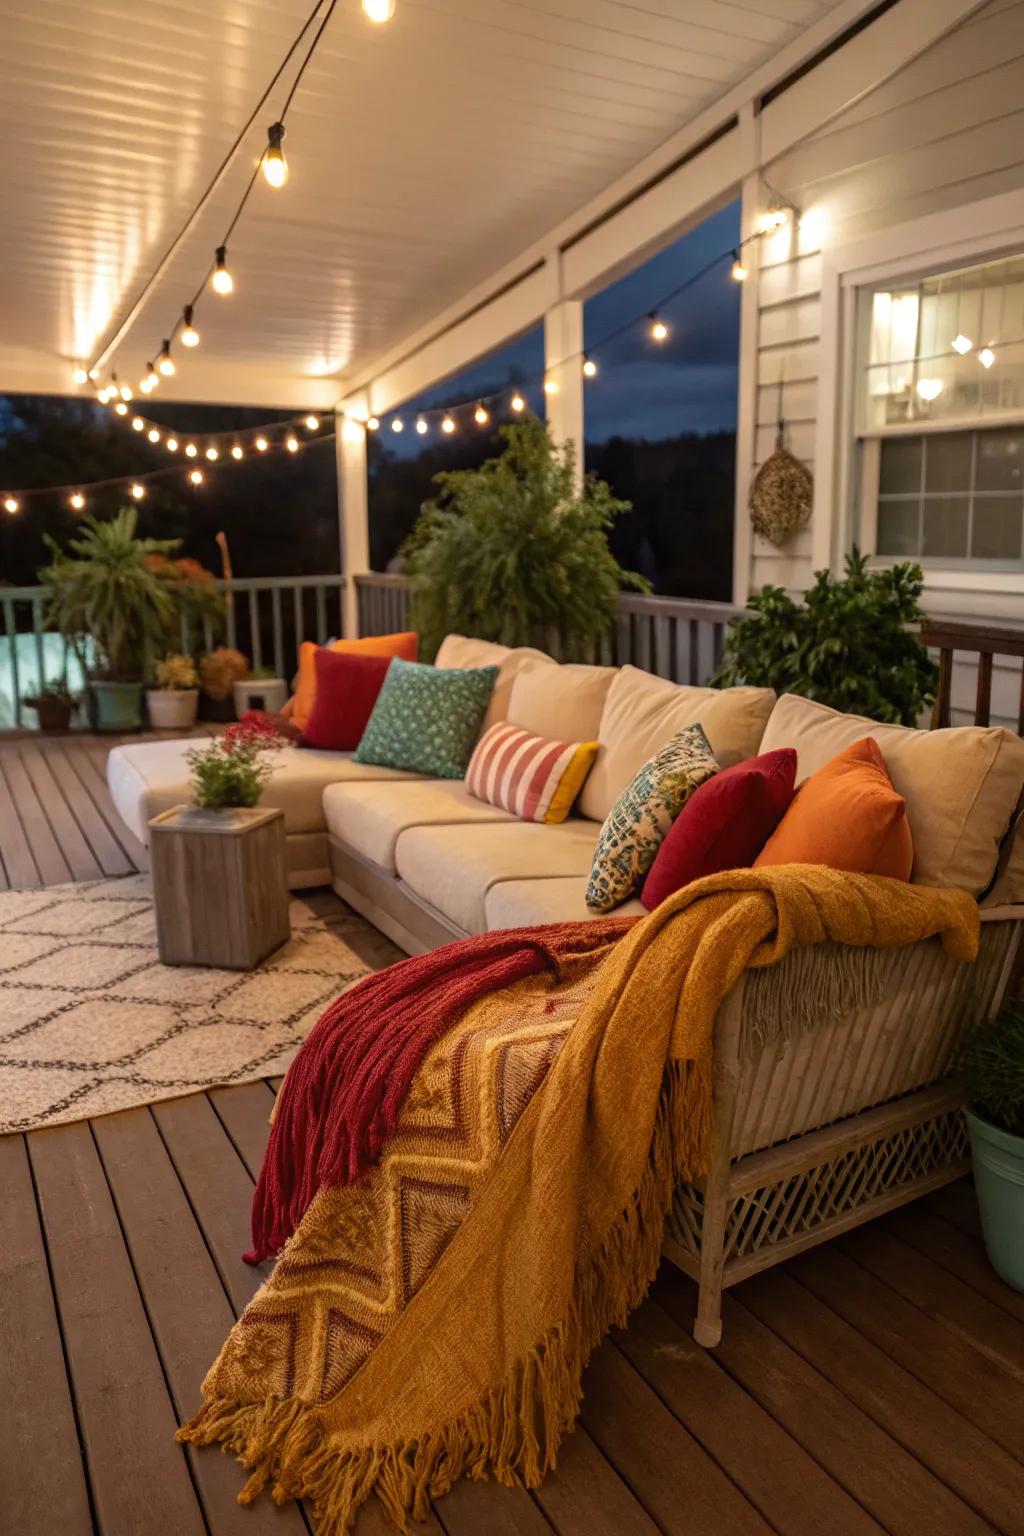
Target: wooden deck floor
876, 1384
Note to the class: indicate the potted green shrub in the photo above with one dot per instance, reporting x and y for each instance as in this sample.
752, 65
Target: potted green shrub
172, 704
851, 643
53, 705
517, 551
114, 609
992, 1062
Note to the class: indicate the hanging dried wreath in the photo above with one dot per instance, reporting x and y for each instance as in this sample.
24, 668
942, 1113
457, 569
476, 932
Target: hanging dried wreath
782, 494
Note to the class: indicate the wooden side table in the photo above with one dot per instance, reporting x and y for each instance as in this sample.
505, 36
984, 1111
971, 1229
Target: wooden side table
220, 885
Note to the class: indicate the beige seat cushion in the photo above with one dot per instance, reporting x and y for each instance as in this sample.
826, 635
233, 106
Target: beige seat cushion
461, 651
562, 703
454, 868
153, 775
369, 818
642, 713
518, 903
961, 785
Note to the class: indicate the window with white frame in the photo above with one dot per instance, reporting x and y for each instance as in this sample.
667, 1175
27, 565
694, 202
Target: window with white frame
940, 417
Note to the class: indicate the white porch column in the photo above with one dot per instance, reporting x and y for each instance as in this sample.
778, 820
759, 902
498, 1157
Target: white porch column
353, 513
563, 363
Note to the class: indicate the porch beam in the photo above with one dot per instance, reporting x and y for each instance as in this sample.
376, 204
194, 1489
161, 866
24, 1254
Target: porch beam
563, 345
353, 515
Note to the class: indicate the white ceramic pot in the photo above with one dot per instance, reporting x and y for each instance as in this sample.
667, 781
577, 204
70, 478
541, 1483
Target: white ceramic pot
172, 709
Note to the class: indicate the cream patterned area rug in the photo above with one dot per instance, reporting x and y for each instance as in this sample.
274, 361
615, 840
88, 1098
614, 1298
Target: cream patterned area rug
91, 1022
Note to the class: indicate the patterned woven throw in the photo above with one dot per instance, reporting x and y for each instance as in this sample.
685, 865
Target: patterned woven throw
433, 1321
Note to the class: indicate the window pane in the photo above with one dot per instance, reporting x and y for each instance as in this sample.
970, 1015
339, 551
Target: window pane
996, 528
1000, 461
897, 527
944, 527
948, 462
900, 468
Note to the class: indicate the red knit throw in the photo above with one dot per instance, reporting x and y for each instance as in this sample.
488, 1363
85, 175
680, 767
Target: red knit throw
345, 1089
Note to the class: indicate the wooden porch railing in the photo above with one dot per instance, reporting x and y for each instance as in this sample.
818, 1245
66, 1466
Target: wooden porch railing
668, 636
977, 644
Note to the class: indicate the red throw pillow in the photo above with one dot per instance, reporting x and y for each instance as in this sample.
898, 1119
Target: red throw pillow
346, 691
724, 824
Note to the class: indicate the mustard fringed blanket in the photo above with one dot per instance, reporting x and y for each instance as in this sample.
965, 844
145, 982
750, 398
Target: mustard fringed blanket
434, 1321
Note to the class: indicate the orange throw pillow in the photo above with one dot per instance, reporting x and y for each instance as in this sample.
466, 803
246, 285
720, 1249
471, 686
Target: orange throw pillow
300, 707
846, 816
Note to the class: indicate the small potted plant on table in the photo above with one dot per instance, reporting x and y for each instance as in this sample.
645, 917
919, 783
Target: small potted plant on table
172, 704
53, 705
992, 1061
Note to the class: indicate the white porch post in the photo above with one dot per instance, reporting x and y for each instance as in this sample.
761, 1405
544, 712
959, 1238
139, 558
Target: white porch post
563, 359
353, 513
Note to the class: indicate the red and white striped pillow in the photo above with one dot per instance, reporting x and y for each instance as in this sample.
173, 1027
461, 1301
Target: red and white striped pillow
535, 779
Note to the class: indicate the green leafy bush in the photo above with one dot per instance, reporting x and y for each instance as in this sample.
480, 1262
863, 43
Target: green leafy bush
992, 1062
517, 553
233, 769
850, 644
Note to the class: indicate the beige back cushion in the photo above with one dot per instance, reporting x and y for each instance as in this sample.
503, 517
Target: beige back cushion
563, 703
461, 652
643, 712
961, 785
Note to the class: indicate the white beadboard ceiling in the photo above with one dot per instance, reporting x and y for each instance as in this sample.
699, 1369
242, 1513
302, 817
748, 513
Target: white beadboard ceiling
423, 155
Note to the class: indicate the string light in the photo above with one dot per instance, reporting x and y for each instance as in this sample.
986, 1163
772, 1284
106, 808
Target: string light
518, 403
153, 435
291, 442
222, 280
196, 476
739, 271
312, 422
189, 334
659, 330
372, 423
481, 416
421, 425
11, 504
80, 375
138, 425
589, 368
121, 408
551, 386
397, 424
126, 392
138, 491
152, 377
448, 425
379, 10
212, 454
771, 220
986, 357
145, 387
236, 452
262, 445
76, 501
929, 389
172, 445
275, 166
165, 362
191, 450
962, 343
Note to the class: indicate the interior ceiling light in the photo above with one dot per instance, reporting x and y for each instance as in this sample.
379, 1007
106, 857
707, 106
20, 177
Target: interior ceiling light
275, 166
223, 282
189, 334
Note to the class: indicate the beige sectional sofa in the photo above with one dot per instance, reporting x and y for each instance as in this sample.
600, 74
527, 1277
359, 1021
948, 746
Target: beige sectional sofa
822, 1120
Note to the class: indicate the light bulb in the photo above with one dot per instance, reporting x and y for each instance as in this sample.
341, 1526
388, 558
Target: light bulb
589, 368
312, 422
165, 362
421, 425
196, 476
138, 425
191, 450
80, 375
771, 220
379, 10
212, 454
397, 423
172, 445
372, 423
262, 445
145, 387
962, 343
986, 357
236, 452
138, 491
448, 425
659, 330
518, 403
929, 389
126, 392
275, 166
152, 377
121, 408
153, 435
481, 416
77, 500
189, 334
551, 386
222, 280
739, 271
103, 395
12, 504
94, 373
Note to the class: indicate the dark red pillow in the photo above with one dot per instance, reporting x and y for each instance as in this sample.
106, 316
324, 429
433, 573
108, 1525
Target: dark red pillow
724, 824
347, 686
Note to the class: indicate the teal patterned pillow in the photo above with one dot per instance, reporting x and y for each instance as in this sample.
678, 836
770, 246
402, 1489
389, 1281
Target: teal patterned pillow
642, 815
427, 719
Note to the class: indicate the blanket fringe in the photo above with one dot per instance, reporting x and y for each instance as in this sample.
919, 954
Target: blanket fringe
812, 985
513, 1434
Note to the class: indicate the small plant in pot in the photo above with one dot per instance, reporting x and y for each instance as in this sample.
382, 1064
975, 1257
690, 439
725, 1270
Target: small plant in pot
219, 671
992, 1062
172, 704
233, 770
53, 705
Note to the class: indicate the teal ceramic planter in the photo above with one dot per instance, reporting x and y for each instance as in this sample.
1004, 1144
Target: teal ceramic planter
118, 706
999, 1179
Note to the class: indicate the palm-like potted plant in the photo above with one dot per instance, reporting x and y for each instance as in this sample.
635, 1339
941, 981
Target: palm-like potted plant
114, 609
172, 704
992, 1061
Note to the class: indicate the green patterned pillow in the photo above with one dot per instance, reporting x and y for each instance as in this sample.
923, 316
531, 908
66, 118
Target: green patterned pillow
427, 719
642, 815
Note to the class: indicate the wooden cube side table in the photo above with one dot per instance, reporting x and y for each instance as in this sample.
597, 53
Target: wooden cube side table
220, 885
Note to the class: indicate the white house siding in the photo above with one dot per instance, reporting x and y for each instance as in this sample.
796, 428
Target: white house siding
947, 130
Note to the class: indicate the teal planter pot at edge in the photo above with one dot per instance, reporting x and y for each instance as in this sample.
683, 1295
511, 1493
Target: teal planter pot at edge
999, 1179
118, 706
